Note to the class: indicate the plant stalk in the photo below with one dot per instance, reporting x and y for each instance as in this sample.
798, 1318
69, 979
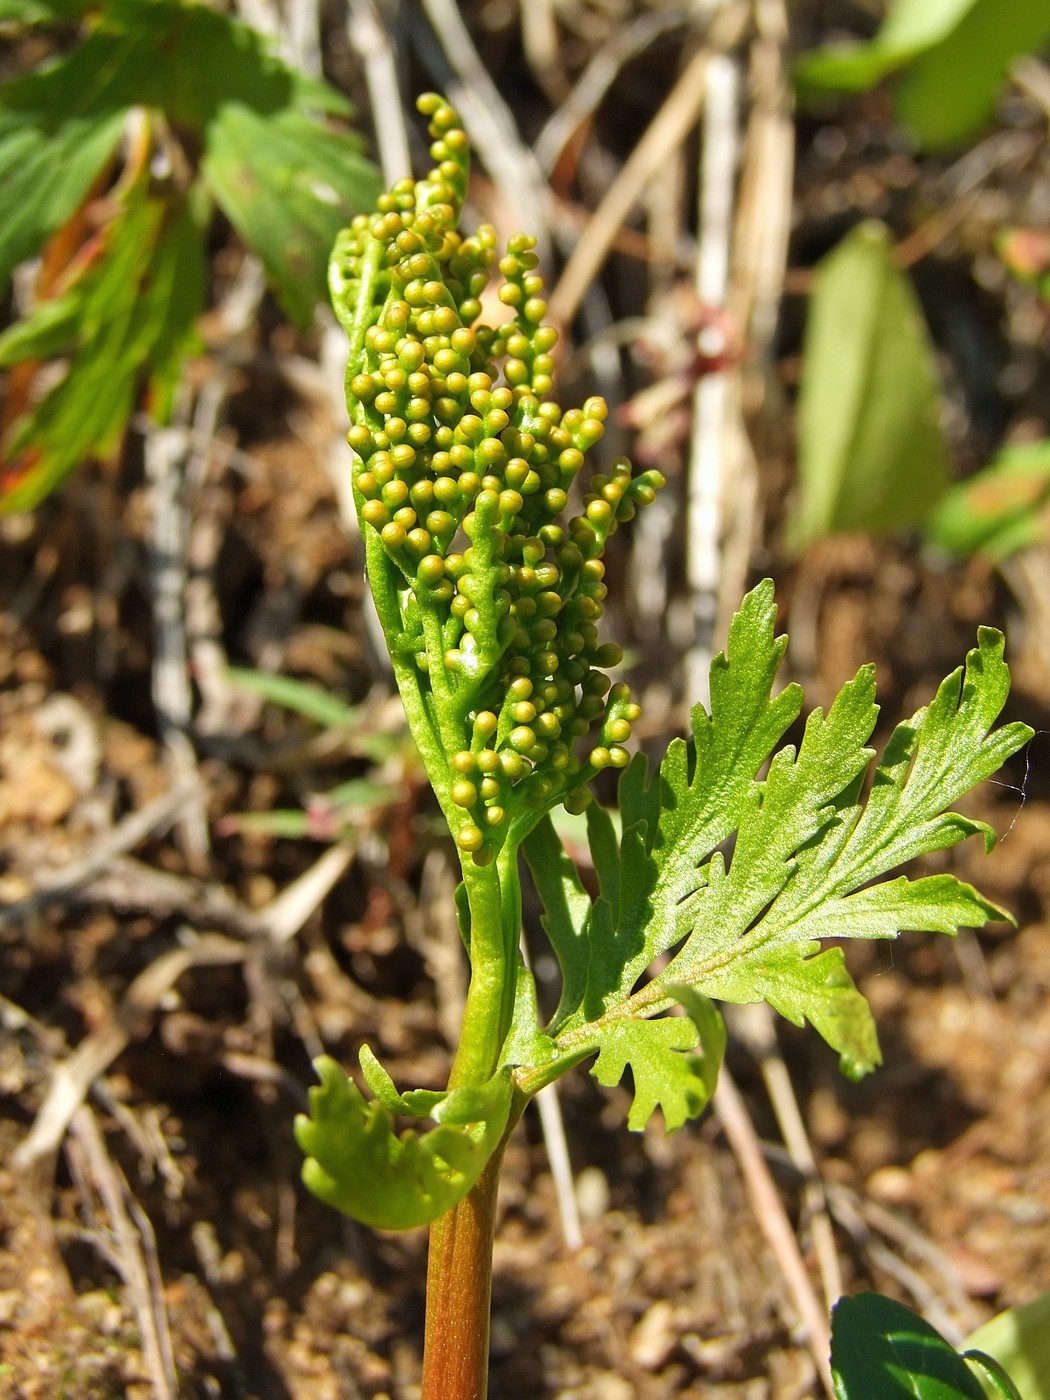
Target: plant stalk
459, 1290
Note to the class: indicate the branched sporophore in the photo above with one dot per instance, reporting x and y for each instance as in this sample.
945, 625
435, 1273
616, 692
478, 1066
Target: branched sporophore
464, 471
489, 599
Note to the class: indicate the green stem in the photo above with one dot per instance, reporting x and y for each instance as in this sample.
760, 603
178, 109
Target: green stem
485, 1018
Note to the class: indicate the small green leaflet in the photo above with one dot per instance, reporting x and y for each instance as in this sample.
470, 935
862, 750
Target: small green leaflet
674, 1060
810, 861
357, 1163
999, 510
871, 451
949, 93
881, 1350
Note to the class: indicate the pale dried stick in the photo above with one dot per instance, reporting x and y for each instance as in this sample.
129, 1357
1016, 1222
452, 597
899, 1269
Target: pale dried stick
370, 38
597, 78
539, 39
764, 203
754, 1025
166, 451
773, 1221
73, 1078
282, 919
132, 1250
1033, 78
302, 35
709, 439
135, 827
861, 1216
667, 130
756, 282
222, 708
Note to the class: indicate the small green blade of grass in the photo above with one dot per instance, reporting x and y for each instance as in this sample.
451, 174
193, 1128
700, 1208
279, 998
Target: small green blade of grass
301, 697
871, 452
325, 817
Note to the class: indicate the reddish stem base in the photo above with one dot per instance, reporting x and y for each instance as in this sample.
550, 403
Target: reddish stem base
459, 1292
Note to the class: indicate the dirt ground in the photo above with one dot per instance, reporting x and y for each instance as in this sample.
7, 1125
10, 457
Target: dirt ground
169, 966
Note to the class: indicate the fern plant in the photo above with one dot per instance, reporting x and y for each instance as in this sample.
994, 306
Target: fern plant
114, 157
491, 598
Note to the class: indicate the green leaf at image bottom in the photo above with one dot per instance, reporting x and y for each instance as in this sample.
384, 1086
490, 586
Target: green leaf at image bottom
871, 453
1019, 1339
881, 1350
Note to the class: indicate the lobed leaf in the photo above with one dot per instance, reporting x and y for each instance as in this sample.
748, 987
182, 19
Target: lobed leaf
356, 1162
674, 1061
284, 178
285, 182
59, 128
735, 878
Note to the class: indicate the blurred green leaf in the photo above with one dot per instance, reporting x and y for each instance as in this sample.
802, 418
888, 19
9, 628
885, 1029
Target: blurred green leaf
1019, 1339
127, 320
910, 28
284, 179
1002, 509
871, 452
881, 1350
954, 55
326, 816
286, 183
317, 705
132, 292
59, 127
40, 11
949, 93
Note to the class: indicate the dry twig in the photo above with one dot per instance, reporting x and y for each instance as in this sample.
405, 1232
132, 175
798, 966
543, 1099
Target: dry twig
773, 1221
131, 1248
